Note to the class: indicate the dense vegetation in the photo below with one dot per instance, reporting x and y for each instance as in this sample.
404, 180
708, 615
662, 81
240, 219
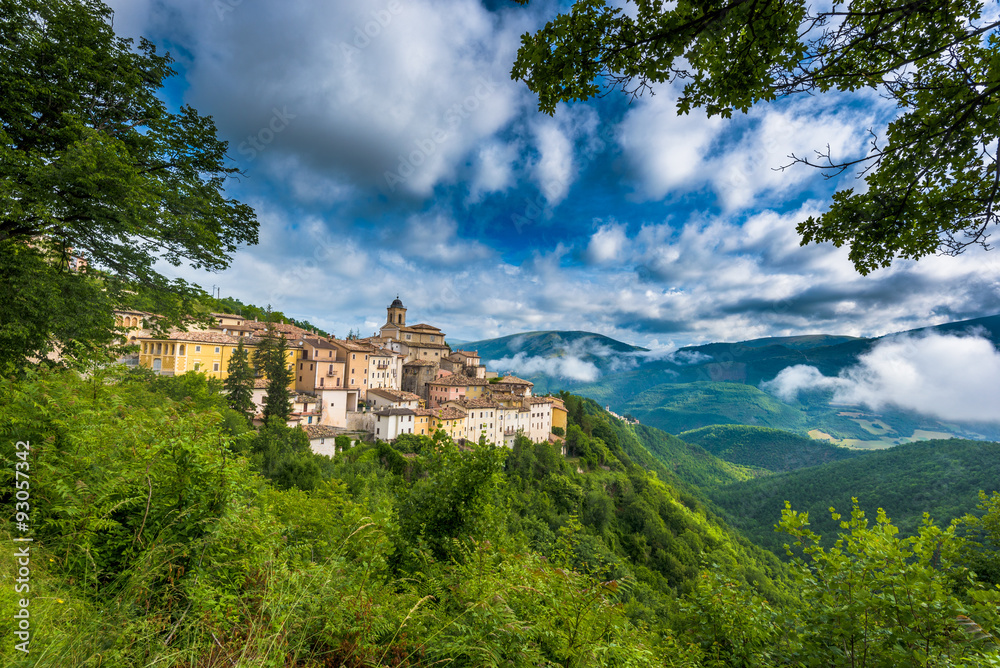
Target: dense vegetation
168, 532
766, 448
941, 477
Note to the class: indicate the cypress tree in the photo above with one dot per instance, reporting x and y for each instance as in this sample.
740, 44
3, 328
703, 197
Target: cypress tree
270, 357
239, 382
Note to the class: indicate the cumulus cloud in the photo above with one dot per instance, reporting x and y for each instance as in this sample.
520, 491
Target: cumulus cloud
948, 377
607, 244
387, 94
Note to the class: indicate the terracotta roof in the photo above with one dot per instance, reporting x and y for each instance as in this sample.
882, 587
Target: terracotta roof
354, 346
419, 363
459, 381
475, 403
504, 396
423, 326
278, 326
319, 430
539, 400
421, 344
305, 399
421, 412
467, 353
514, 380
259, 383
397, 395
320, 343
205, 337
449, 413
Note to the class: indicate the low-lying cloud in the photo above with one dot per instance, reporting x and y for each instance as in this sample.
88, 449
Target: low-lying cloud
572, 368
945, 376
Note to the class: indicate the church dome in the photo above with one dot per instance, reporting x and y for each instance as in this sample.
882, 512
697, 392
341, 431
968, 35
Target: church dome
396, 303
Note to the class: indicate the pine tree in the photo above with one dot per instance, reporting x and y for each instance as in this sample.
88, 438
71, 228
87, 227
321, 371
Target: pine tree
270, 357
239, 382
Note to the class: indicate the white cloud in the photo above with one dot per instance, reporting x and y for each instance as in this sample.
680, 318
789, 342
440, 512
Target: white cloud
665, 151
572, 368
607, 244
945, 376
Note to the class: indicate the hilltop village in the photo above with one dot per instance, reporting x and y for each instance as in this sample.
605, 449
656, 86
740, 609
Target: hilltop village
405, 379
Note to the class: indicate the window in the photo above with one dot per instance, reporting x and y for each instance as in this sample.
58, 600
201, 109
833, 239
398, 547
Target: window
300, 379
408, 337
353, 356
197, 366
197, 349
215, 367
217, 350
300, 368
432, 338
182, 349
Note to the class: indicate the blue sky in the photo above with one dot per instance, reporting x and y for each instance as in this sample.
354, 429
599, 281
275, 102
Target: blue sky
386, 151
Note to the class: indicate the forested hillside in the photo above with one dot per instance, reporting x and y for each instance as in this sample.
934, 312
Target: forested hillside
167, 532
770, 449
939, 477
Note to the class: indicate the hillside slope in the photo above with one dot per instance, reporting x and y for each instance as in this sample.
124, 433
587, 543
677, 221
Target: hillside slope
942, 477
770, 449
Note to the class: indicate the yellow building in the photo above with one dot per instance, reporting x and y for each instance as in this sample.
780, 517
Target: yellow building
204, 352
451, 421
423, 422
560, 416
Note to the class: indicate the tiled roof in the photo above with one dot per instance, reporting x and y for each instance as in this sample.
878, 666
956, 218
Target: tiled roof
539, 400
421, 412
459, 381
205, 337
397, 395
514, 380
420, 344
423, 326
467, 353
504, 396
320, 343
259, 383
449, 413
474, 403
353, 346
419, 363
305, 399
395, 411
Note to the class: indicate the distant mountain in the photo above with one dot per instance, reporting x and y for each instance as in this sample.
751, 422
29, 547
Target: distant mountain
717, 383
555, 360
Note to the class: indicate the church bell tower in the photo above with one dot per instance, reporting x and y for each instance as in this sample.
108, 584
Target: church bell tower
397, 313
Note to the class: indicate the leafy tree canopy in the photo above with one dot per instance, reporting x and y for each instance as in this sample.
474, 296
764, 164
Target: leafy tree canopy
932, 179
93, 164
